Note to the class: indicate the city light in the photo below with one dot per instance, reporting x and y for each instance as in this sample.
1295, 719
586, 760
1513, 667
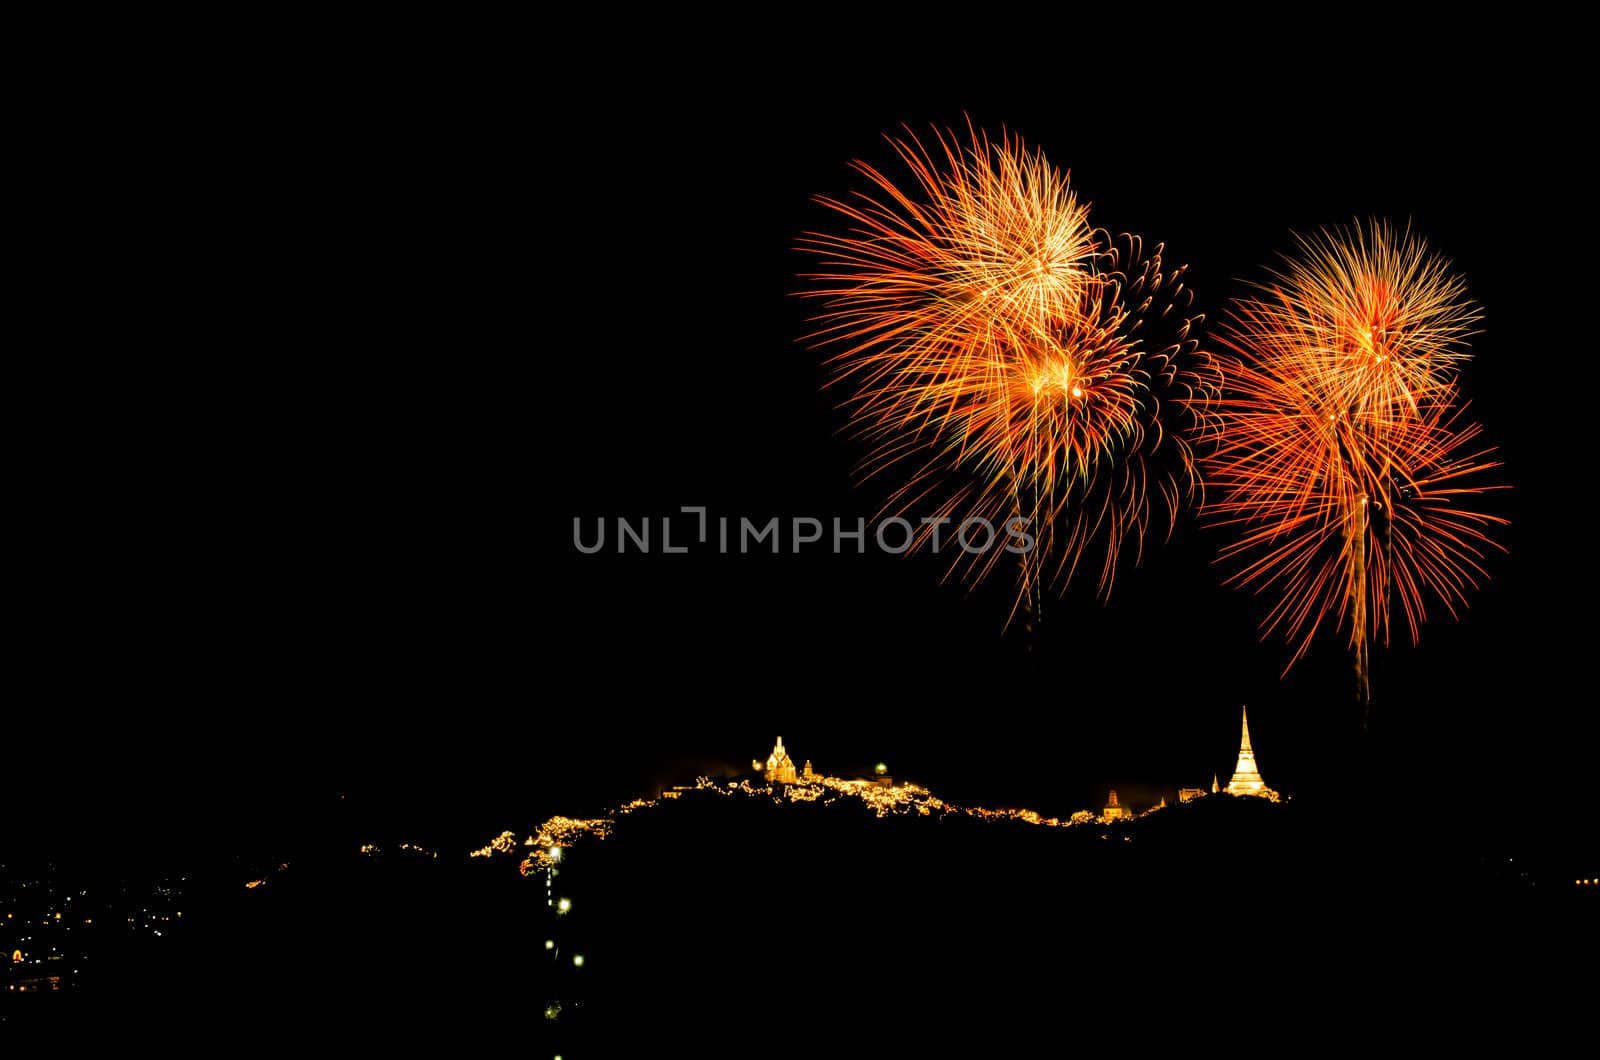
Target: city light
503, 843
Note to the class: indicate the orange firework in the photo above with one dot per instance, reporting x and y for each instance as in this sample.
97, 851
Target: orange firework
1338, 448
991, 341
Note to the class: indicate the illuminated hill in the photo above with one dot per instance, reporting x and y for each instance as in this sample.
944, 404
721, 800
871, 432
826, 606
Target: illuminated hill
737, 902
847, 893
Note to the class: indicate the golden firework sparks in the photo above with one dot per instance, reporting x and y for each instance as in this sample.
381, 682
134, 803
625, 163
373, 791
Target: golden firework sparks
999, 357
1338, 448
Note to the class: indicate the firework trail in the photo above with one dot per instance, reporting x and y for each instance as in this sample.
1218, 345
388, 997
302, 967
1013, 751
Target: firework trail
999, 357
1337, 446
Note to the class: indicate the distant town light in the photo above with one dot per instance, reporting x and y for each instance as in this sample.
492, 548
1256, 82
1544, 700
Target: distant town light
880, 769
564, 905
555, 853
549, 944
577, 960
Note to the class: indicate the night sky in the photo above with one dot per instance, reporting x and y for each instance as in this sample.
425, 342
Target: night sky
300, 508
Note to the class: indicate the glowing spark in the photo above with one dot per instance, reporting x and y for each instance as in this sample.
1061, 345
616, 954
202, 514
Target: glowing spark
1337, 451
1000, 358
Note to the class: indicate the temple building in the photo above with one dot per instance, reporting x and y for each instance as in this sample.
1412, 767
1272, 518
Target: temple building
780, 767
1114, 811
1190, 794
1246, 779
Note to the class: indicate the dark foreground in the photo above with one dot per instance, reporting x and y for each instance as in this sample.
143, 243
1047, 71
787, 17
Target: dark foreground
708, 919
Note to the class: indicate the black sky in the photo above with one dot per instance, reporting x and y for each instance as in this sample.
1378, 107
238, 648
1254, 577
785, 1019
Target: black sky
363, 342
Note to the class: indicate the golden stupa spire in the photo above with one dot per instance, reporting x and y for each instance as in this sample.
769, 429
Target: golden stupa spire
1246, 778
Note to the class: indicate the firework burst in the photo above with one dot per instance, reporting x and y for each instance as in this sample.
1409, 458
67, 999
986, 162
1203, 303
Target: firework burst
1000, 359
1338, 447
